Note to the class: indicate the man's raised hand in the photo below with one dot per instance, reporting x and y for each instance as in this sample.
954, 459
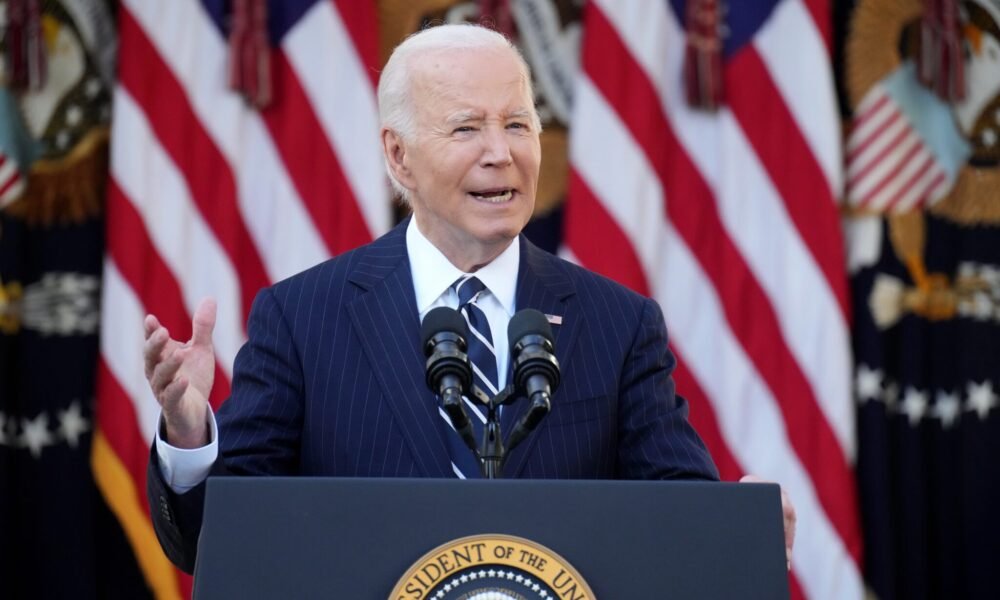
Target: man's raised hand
181, 375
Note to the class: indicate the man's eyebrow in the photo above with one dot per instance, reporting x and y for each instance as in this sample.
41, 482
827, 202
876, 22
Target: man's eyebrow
464, 116
519, 114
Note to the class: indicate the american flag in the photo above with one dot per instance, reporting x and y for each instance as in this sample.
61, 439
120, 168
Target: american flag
211, 197
730, 220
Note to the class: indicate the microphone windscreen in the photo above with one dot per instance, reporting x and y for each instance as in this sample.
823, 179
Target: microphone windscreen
441, 319
528, 322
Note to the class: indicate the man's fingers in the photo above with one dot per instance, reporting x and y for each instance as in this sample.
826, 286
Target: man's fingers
150, 324
152, 349
787, 514
164, 373
203, 322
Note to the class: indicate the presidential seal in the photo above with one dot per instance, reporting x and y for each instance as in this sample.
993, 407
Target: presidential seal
491, 567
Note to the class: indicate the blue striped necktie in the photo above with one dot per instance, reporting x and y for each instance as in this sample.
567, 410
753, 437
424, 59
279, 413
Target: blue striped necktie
484, 367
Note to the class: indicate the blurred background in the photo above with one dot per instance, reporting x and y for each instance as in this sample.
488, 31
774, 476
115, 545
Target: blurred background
810, 189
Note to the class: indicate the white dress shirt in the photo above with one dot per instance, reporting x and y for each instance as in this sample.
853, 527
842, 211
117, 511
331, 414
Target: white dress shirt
432, 275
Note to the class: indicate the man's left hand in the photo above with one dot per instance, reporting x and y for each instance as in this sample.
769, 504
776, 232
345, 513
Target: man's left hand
787, 513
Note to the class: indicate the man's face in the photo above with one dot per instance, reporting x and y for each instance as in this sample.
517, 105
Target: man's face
472, 168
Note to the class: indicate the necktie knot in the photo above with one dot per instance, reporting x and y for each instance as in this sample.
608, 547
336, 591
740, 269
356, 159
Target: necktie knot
468, 288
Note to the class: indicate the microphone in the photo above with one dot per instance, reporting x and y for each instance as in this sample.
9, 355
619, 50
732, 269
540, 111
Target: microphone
449, 372
536, 370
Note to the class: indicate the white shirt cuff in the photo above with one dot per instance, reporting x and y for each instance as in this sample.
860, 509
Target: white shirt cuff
184, 469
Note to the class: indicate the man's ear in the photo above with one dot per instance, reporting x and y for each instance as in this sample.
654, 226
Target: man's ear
394, 149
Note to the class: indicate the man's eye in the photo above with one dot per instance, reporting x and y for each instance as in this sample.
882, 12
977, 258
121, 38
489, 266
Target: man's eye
517, 125
464, 129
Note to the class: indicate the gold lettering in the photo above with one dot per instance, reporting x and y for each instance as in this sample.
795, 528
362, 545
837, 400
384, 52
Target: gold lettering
445, 563
427, 572
562, 580
479, 550
459, 557
412, 589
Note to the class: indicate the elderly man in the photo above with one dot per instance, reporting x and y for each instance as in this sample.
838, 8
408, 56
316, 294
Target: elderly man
331, 381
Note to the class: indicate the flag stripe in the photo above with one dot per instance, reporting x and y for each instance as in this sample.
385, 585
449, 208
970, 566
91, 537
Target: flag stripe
140, 265
176, 228
791, 165
586, 220
313, 164
748, 312
750, 417
344, 105
862, 174
813, 107
211, 197
741, 246
287, 238
205, 171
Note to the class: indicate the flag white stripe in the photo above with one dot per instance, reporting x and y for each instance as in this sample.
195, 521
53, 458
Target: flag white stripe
862, 133
813, 106
121, 346
872, 152
748, 414
863, 185
750, 419
881, 198
919, 192
756, 220
193, 49
624, 173
342, 97
175, 226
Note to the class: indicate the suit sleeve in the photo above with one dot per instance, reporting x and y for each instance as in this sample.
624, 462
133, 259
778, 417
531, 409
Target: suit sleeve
260, 427
656, 440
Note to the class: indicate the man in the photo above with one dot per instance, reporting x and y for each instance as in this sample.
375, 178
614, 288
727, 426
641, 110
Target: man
331, 381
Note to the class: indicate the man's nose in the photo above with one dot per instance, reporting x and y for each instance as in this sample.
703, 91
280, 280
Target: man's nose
496, 148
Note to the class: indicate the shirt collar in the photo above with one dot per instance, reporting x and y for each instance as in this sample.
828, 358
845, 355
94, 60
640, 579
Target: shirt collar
433, 273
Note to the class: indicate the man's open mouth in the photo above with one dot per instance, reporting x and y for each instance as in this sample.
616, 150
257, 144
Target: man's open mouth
494, 196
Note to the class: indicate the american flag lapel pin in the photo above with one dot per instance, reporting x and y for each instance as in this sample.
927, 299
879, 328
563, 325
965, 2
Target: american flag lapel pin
554, 319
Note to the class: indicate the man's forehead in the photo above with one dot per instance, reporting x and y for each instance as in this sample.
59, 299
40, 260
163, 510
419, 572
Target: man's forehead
449, 65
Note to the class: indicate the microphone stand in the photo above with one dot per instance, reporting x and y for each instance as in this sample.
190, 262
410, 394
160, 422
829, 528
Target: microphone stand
491, 453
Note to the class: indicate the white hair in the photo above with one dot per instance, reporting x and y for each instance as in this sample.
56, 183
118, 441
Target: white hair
395, 106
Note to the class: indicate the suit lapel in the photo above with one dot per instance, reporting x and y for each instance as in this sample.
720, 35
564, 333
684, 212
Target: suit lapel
388, 325
543, 285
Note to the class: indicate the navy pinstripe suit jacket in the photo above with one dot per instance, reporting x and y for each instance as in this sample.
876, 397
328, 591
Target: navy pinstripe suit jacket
331, 383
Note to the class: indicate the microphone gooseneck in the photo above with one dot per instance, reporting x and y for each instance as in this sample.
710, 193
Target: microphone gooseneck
449, 372
536, 370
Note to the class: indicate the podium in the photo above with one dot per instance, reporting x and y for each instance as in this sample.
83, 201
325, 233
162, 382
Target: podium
358, 539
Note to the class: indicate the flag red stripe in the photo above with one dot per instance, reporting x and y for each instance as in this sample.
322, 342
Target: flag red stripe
891, 176
312, 163
143, 73
894, 118
361, 22
11, 182
702, 417
791, 164
691, 207
875, 162
912, 182
821, 12
144, 270
116, 416
586, 220
869, 113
